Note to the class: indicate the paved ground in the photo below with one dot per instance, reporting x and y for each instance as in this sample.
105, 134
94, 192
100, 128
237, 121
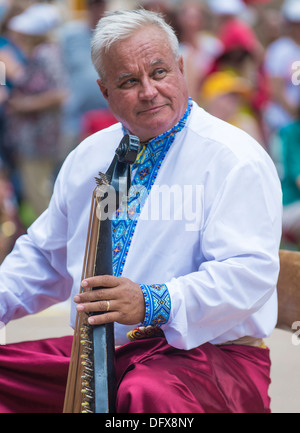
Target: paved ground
285, 373
285, 355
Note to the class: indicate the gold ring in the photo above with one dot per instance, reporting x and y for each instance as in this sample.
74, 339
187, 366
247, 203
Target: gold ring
107, 305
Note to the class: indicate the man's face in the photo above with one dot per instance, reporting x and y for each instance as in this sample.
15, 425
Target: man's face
144, 84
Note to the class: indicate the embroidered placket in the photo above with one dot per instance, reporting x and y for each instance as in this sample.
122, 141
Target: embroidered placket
146, 167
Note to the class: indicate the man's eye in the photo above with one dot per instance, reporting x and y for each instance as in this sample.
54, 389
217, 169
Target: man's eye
159, 73
128, 83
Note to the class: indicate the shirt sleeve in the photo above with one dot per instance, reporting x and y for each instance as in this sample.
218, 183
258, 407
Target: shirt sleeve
240, 241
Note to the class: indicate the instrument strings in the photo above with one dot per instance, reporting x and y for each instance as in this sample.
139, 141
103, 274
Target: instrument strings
80, 390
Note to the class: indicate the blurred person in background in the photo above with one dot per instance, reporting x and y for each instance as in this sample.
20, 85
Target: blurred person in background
290, 141
164, 7
228, 97
223, 11
242, 56
12, 57
10, 52
264, 17
197, 46
74, 38
14, 60
33, 110
281, 55
269, 25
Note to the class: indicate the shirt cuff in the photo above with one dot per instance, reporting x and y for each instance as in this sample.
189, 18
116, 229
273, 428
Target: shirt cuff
158, 304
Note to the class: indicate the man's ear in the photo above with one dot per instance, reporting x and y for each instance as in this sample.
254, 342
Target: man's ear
103, 88
181, 64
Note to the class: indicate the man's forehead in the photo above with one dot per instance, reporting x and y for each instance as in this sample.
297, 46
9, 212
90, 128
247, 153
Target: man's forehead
143, 38
132, 71
139, 51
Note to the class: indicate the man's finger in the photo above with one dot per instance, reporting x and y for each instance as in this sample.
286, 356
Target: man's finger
90, 307
100, 281
102, 319
95, 295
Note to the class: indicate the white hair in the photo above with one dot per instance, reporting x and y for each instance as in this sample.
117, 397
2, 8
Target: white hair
121, 24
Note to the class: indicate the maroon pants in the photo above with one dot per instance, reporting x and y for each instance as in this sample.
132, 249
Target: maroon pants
152, 376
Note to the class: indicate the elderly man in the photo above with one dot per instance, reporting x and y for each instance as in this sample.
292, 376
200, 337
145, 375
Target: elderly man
197, 262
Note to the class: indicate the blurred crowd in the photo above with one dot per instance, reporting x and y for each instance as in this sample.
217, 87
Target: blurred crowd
242, 64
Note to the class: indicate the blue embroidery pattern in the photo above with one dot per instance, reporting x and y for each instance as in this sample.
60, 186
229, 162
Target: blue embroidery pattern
158, 304
147, 165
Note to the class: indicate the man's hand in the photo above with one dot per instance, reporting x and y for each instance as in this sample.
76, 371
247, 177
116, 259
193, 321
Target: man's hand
120, 300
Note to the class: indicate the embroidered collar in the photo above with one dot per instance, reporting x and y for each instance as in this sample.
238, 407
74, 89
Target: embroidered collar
164, 136
148, 163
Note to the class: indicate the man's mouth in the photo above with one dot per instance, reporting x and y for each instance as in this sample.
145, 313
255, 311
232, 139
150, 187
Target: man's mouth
152, 110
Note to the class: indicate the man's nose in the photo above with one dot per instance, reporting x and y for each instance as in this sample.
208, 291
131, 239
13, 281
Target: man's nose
148, 89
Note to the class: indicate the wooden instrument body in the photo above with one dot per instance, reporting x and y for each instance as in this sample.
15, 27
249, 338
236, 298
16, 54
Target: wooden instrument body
92, 346
91, 386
